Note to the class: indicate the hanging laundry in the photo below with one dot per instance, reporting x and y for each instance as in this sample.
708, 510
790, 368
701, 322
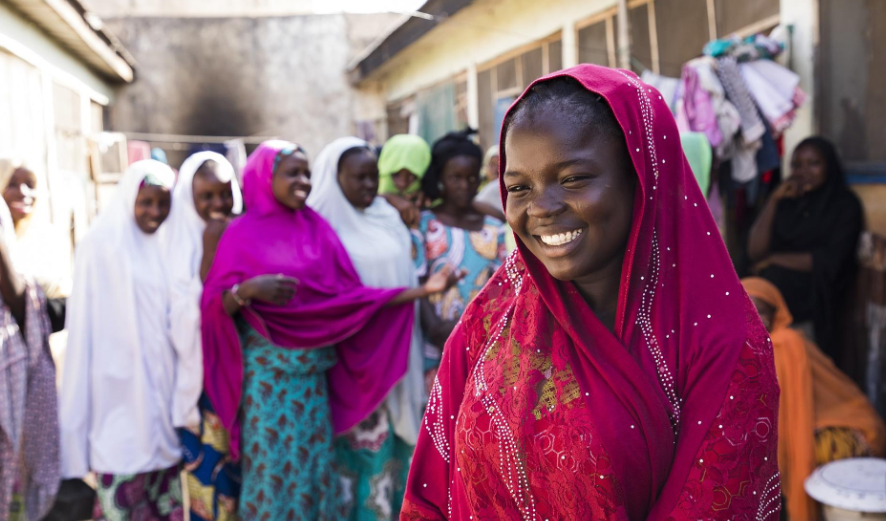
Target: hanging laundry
698, 110
137, 150
754, 47
768, 157
669, 88
752, 127
744, 162
776, 91
699, 155
729, 122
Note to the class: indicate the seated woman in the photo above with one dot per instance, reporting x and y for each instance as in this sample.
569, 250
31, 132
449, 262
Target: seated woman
805, 241
401, 166
454, 235
205, 198
823, 416
289, 328
613, 369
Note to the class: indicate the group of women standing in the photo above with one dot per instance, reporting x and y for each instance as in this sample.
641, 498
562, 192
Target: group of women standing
269, 343
363, 312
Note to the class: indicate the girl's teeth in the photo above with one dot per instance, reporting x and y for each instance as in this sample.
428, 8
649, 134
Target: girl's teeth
560, 239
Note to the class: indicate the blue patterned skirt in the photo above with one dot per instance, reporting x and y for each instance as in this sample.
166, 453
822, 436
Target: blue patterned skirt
287, 440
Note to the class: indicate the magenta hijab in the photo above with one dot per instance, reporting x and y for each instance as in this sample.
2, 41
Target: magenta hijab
331, 306
682, 312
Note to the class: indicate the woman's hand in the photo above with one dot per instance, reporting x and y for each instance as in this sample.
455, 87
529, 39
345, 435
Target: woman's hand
787, 190
273, 289
443, 280
409, 212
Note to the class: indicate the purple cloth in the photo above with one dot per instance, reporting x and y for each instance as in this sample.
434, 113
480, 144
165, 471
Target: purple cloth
331, 306
29, 445
699, 109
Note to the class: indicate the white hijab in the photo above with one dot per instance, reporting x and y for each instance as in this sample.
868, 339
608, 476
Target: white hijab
119, 371
183, 252
380, 246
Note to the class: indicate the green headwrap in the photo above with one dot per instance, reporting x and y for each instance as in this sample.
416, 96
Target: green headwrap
403, 151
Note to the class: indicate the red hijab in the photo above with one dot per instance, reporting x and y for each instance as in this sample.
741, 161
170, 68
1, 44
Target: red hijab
652, 388
681, 321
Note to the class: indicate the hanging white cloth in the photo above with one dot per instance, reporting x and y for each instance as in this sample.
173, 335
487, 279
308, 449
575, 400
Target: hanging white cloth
119, 374
775, 89
183, 253
380, 247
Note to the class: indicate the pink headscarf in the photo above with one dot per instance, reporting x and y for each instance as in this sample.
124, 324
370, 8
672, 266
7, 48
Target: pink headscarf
331, 306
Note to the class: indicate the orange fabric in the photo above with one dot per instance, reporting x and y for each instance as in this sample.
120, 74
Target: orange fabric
814, 394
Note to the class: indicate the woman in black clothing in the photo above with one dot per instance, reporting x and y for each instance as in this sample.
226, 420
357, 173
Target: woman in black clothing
805, 239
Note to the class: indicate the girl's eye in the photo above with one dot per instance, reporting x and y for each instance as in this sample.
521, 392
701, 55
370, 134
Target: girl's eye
516, 188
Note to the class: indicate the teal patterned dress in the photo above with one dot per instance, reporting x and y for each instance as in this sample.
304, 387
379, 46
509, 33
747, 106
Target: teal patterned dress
287, 440
373, 463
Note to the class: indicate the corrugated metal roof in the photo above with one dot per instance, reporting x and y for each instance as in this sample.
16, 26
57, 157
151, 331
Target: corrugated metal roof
413, 27
76, 29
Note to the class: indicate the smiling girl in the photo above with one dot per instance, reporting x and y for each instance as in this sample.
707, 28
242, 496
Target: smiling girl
613, 369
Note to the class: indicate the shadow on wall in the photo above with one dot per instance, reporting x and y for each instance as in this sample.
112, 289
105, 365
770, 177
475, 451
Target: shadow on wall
238, 77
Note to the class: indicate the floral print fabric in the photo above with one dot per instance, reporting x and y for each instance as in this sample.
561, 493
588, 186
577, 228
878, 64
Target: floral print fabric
287, 452
436, 245
150, 496
373, 462
213, 479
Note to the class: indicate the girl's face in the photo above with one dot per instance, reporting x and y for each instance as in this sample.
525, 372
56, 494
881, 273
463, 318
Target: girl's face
570, 196
213, 198
292, 181
21, 194
403, 180
461, 180
152, 205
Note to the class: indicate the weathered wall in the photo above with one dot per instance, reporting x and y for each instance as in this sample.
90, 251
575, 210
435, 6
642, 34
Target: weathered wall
201, 8
268, 76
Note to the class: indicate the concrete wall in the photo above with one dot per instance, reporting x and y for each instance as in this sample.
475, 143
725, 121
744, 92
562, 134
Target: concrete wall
802, 17
199, 8
268, 76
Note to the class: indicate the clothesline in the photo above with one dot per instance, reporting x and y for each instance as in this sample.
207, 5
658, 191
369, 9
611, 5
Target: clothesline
192, 139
